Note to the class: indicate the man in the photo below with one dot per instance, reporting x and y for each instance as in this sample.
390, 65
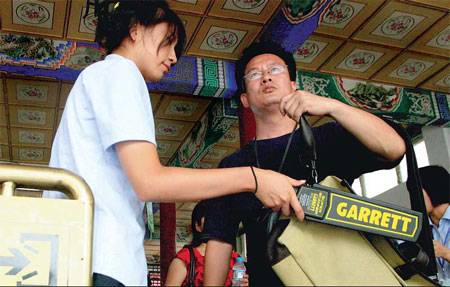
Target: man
358, 143
436, 192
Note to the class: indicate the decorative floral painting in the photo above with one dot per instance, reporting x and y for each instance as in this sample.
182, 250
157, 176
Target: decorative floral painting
33, 13
31, 93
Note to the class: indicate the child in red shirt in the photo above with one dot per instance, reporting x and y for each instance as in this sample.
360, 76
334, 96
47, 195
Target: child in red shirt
179, 269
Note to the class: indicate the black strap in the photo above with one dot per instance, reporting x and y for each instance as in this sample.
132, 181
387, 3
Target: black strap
269, 218
308, 159
414, 186
191, 265
286, 150
308, 154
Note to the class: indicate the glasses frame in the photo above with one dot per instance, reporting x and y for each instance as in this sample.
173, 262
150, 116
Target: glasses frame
286, 67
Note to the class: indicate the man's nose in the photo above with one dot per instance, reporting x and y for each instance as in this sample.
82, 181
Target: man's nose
266, 77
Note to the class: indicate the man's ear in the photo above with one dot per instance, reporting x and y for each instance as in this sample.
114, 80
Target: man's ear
294, 85
244, 100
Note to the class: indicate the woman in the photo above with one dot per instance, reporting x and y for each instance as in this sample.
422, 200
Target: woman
107, 136
179, 273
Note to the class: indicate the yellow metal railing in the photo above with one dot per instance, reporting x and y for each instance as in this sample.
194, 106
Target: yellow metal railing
32, 228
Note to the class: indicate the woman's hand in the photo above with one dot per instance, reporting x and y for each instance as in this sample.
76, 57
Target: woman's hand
276, 191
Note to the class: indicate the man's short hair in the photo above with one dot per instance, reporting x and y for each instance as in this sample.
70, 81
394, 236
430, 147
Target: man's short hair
436, 182
256, 49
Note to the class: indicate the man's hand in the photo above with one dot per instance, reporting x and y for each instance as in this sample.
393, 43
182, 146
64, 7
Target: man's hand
276, 191
441, 251
244, 281
369, 129
300, 102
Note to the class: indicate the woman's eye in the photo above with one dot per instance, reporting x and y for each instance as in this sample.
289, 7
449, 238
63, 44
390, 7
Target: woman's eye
168, 40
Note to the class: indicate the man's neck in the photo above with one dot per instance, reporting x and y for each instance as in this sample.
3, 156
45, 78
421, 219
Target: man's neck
272, 126
438, 212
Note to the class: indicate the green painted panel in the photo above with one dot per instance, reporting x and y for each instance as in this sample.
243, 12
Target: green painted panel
403, 104
206, 133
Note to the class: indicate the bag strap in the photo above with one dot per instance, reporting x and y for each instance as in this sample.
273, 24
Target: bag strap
414, 187
191, 265
308, 154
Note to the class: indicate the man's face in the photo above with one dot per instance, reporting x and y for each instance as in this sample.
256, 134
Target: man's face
269, 85
428, 205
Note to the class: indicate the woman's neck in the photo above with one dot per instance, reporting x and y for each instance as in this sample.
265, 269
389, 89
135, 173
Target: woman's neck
201, 248
125, 50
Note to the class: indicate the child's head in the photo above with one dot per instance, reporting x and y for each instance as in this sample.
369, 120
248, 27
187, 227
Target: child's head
198, 218
146, 31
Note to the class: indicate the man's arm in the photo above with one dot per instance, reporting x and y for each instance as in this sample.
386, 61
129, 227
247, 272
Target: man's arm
370, 130
217, 262
154, 182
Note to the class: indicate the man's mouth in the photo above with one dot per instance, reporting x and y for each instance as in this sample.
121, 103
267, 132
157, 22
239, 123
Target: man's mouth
167, 68
268, 90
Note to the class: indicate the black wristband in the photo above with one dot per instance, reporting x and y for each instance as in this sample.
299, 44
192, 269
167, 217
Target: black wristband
256, 181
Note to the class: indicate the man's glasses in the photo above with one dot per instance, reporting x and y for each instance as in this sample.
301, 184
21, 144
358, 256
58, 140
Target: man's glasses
273, 70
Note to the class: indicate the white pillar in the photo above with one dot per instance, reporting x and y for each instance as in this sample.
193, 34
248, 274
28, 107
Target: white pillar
437, 142
397, 195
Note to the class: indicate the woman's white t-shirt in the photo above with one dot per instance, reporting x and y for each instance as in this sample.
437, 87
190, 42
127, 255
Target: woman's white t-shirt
109, 103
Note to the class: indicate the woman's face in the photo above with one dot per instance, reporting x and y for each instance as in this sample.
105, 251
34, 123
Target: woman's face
153, 58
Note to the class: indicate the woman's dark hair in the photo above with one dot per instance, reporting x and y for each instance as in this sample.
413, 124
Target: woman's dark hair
115, 18
197, 214
436, 182
257, 49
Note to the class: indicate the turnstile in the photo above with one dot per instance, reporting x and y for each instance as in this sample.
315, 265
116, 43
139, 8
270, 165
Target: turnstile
43, 241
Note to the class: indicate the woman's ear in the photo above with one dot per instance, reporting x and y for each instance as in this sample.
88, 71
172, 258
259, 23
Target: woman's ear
198, 227
134, 31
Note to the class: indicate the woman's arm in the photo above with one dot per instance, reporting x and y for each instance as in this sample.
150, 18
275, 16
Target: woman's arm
177, 273
154, 182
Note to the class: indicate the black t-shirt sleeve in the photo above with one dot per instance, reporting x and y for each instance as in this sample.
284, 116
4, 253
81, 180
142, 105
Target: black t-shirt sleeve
221, 220
340, 153
223, 215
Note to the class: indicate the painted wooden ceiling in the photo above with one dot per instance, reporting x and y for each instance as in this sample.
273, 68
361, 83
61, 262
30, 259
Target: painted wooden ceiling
395, 43
401, 43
